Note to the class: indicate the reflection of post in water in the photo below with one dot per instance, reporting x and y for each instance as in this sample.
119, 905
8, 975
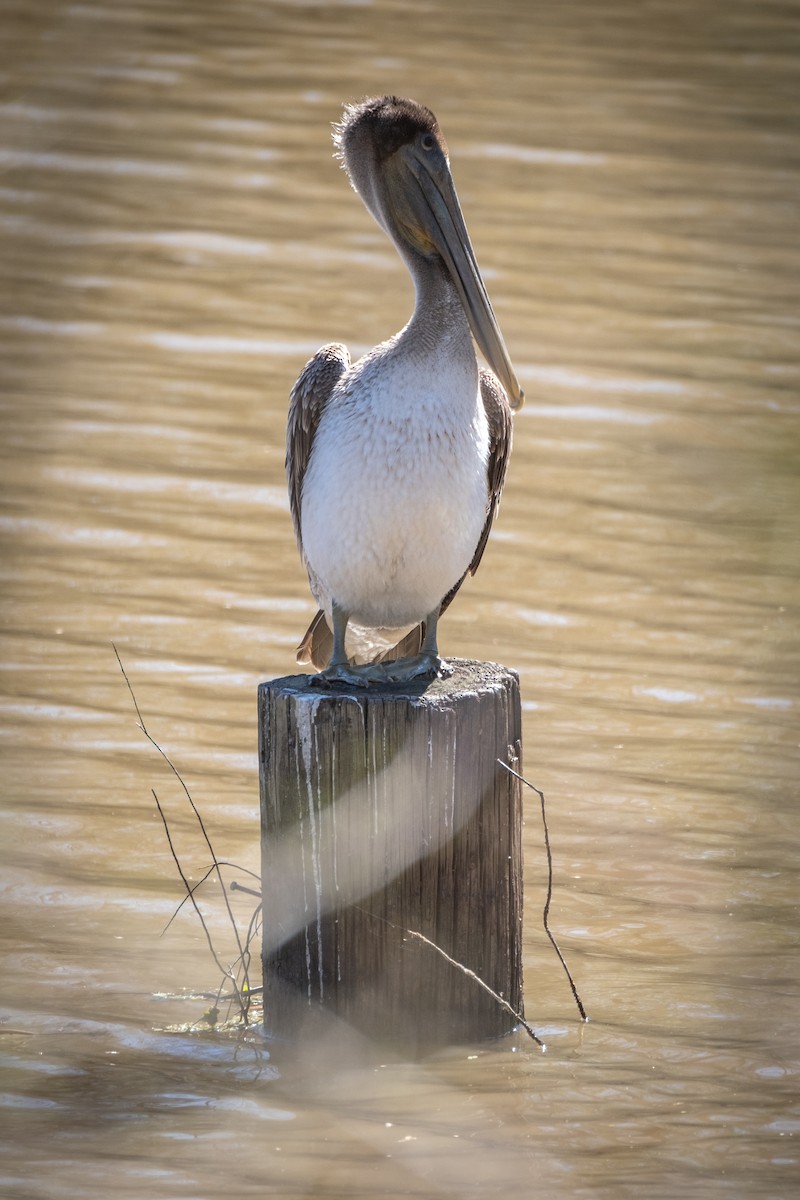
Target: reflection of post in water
384, 811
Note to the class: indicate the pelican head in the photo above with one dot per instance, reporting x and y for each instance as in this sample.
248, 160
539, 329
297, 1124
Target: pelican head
396, 158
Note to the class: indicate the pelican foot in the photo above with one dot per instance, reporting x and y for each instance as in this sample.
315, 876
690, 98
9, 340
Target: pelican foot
369, 675
421, 666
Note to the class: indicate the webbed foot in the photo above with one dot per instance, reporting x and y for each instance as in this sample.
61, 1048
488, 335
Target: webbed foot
421, 666
369, 675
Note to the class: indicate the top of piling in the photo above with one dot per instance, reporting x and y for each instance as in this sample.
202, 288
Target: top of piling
469, 676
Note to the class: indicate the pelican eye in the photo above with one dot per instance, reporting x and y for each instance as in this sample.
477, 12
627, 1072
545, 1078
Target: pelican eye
427, 141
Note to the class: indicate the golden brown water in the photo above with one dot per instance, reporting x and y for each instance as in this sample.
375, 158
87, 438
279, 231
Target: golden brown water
175, 240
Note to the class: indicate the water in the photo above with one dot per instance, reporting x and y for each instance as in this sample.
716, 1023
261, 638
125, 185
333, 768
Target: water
176, 240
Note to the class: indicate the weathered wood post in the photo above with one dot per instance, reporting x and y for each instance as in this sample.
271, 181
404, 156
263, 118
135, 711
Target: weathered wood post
385, 811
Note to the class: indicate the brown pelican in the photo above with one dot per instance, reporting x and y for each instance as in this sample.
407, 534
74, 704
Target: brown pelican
396, 462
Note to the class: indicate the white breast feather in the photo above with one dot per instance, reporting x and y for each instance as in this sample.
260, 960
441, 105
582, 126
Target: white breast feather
395, 494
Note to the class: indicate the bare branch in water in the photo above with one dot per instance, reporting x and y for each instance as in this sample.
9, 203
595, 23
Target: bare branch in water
252, 930
244, 951
464, 970
546, 912
190, 895
233, 886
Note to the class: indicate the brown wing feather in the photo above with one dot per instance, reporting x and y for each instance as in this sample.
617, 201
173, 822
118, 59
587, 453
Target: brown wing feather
310, 394
498, 414
317, 645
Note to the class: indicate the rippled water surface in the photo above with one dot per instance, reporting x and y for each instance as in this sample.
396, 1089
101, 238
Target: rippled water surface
175, 240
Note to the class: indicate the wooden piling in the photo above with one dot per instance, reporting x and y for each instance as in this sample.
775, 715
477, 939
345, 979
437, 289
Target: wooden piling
385, 811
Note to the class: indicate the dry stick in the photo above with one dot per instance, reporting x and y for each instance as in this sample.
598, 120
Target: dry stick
244, 995
195, 810
190, 891
233, 886
252, 930
464, 970
546, 912
228, 974
210, 1016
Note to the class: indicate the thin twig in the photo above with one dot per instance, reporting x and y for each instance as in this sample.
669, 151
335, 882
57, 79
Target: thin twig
190, 891
233, 886
211, 1015
228, 974
186, 792
546, 911
256, 991
244, 995
252, 930
464, 970
200, 822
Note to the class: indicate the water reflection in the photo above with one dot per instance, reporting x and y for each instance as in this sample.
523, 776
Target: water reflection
175, 242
